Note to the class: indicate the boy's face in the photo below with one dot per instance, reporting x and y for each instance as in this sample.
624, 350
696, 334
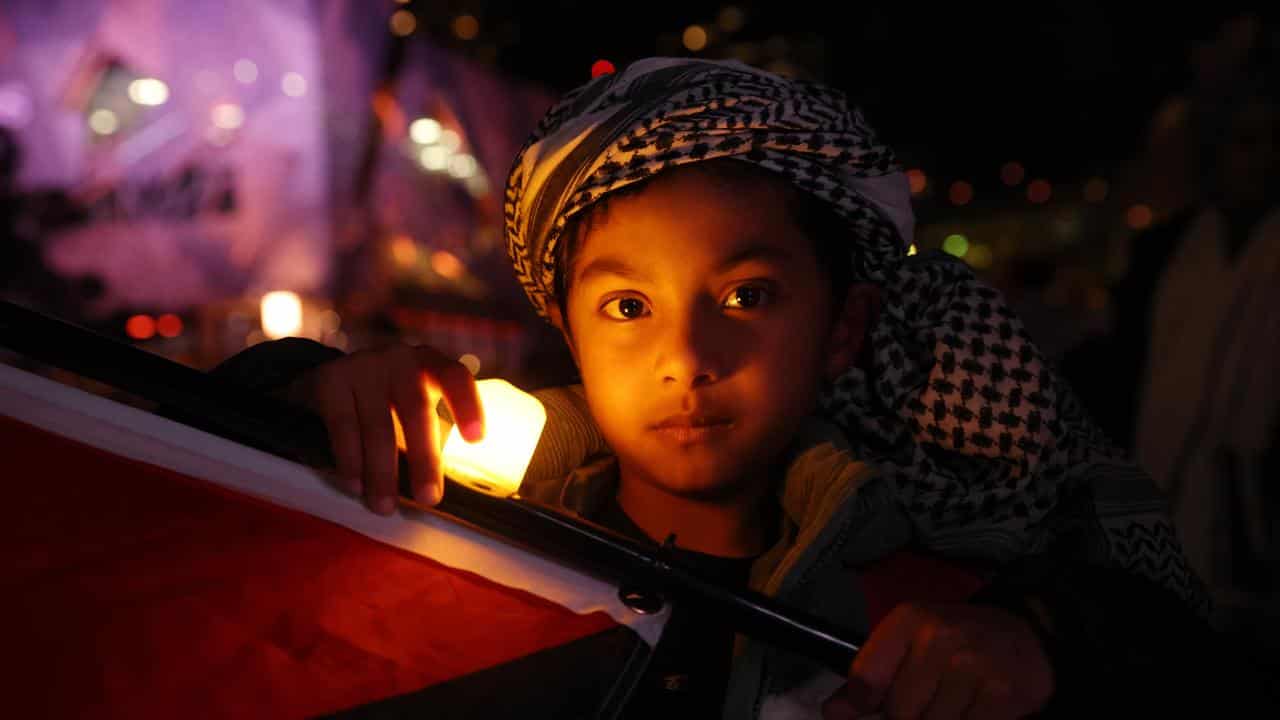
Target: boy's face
700, 322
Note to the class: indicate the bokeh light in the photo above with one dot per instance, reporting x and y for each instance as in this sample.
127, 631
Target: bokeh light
466, 27
425, 131
149, 92
602, 67
403, 23
169, 325
1039, 191
140, 327
918, 181
694, 38
103, 122
1138, 217
956, 244
281, 314
961, 193
293, 84
1012, 173
446, 264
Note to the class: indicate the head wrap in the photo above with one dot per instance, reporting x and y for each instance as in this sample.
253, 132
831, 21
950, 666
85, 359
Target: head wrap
988, 450
660, 113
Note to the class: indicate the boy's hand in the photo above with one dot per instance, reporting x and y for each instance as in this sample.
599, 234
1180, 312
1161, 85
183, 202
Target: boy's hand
355, 396
946, 661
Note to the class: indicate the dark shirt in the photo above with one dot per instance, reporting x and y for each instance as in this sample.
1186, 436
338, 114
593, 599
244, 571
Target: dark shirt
689, 670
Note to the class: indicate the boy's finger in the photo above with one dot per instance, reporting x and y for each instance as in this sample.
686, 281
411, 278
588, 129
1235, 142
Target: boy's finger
412, 408
879, 659
378, 438
337, 406
459, 390
434, 490
956, 691
917, 679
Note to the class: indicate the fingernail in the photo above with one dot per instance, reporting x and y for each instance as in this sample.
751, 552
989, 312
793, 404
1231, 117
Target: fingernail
433, 493
428, 494
473, 431
384, 505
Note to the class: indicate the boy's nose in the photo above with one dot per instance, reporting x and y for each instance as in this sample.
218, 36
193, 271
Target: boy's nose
692, 353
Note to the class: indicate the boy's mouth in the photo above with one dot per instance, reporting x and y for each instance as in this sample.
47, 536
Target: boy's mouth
687, 429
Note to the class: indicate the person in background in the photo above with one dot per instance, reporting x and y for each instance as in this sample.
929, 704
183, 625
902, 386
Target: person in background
1186, 378
1207, 423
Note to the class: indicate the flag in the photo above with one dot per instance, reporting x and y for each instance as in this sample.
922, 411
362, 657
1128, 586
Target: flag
156, 571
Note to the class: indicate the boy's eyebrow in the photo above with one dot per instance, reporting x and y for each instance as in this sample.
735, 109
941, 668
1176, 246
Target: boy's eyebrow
610, 265
758, 251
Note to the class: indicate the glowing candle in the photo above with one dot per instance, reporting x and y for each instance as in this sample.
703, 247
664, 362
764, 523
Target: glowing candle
513, 423
281, 314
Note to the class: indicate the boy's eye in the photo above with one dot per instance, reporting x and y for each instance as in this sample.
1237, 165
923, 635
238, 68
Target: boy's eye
747, 297
626, 308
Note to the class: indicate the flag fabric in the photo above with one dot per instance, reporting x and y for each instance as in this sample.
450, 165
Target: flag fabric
155, 571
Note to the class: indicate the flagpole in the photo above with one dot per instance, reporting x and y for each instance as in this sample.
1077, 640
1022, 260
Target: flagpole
645, 573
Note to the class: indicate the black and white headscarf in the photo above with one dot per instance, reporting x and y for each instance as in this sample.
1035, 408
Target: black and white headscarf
990, 453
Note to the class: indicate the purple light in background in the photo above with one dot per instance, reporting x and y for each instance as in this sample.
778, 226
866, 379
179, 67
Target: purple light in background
246, 71
15, 105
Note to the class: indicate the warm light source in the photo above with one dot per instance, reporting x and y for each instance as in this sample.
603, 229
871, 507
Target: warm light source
425, 131
466, 27
462, 166
140, 327
281, 314
918, 181
979, 256
103, 122
227, 116
148, 91
330, 321
169, 325
447, 264
403, 23
434, 158
602, 67
961, 193
450, 140
404, 251
513, 422
1138, 217
695, 38
1039, 191
293, 84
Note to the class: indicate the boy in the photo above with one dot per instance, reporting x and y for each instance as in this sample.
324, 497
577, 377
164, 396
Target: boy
723, 251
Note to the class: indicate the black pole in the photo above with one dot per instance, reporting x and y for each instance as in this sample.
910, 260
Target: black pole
275, 427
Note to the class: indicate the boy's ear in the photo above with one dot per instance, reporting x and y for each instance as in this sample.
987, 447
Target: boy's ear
558, 320
849, 328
